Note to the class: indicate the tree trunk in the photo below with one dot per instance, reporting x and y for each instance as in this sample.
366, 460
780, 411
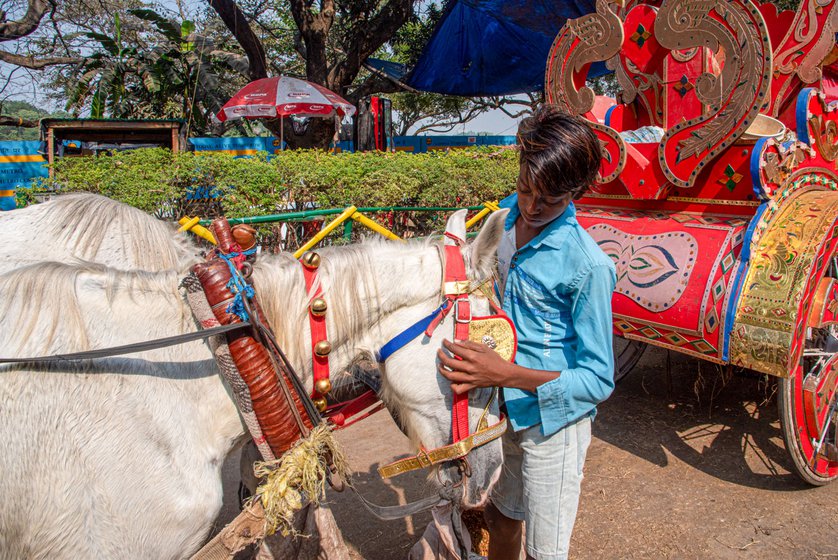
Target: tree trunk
238, 25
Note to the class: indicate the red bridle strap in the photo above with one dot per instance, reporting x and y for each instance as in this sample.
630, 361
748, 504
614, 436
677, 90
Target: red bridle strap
455, 286
317, 323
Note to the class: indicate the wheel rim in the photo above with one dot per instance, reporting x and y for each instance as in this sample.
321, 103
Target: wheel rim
809, 403
626, 355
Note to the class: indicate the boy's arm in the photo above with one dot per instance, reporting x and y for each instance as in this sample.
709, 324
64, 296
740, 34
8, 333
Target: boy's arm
579, 389
480, 366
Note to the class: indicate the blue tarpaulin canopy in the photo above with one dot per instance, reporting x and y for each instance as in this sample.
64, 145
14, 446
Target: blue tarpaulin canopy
494, 47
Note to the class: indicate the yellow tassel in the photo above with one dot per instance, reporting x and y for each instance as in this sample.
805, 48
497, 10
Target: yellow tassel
298, 477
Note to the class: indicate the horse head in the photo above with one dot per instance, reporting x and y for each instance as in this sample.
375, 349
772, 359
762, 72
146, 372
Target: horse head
424, 398
374, 291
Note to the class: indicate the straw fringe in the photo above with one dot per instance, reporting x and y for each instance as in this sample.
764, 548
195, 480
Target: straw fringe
298, 478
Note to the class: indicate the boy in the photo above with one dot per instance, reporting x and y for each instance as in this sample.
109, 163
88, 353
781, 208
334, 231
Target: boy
556, 286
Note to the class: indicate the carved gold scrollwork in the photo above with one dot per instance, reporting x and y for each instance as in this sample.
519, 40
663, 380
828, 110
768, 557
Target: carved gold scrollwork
825, 133
779, 161
591, 38
805, 30
735, 96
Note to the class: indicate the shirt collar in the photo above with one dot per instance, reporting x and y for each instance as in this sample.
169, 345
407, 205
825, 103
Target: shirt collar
553, 235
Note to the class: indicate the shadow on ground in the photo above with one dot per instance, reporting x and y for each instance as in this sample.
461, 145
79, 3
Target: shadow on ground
685, 464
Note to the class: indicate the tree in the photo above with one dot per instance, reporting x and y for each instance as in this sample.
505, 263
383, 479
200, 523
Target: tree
332, 37
175, 75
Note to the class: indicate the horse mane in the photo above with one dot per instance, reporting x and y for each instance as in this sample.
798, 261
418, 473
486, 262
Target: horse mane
346, 279
41, 312
85, 219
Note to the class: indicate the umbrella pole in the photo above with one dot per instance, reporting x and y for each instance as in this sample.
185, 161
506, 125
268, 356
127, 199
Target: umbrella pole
281, 134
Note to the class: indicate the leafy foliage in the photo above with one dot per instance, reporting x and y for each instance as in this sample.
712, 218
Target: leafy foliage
173, 73
157, 180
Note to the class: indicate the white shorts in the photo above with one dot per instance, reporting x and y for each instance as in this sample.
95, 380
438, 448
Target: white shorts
540, 482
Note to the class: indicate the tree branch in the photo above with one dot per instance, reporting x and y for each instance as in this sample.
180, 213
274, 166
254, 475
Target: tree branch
11, 30
374, 83
368, 39
7, 120
236, 22
36, 63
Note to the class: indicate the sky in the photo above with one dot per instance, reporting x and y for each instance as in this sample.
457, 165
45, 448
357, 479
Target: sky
494, 122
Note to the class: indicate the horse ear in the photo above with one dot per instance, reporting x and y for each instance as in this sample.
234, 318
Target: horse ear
456, 226
483, 252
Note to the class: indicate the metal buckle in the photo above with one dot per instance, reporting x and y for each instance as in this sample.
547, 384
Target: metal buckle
424, 459
457, 312
455, 288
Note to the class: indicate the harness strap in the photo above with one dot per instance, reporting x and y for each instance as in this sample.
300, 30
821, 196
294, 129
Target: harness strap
450, 452
344, 414
129, 348
400, 340
389, 513
317, 323
455, 278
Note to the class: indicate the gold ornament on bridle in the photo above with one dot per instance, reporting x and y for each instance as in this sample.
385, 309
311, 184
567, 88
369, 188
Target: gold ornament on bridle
318, 307
323, 386
320, 403
311, 260
323, 348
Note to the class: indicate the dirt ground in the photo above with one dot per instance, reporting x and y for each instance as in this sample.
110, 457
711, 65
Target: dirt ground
687, 465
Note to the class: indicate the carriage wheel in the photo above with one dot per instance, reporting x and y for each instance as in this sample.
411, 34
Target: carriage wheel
626, 355
808, 402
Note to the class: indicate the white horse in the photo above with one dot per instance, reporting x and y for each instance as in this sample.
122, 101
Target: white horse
93, 228
121, 457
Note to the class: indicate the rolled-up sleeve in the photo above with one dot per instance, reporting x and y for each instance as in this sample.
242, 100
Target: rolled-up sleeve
578, 389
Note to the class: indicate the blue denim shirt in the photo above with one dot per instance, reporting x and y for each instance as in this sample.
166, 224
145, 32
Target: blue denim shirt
558, 295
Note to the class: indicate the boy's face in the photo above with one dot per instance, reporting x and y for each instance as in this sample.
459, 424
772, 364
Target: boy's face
538, 209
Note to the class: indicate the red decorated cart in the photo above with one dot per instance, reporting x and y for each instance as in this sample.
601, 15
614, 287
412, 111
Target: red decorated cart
719, 192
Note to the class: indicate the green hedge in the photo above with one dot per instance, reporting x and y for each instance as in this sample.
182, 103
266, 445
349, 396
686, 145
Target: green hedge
156, 180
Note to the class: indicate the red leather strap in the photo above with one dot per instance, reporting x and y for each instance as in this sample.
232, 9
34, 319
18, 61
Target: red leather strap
455, 271
317, 323
343, 414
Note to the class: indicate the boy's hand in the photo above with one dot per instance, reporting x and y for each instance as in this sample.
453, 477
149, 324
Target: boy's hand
478, 366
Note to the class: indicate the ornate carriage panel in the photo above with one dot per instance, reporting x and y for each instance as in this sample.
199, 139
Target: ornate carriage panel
734, 97
776, 292
799, 56
674, 275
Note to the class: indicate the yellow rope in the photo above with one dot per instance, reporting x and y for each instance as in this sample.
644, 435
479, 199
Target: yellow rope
298, 478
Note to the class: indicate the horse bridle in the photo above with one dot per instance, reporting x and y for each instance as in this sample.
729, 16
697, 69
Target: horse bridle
456, 288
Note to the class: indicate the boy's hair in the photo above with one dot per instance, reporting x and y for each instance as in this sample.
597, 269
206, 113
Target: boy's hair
560, 152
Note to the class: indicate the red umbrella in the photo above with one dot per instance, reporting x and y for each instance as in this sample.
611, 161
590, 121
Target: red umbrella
281, 96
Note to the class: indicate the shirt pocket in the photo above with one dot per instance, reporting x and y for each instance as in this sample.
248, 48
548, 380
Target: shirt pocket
550, 304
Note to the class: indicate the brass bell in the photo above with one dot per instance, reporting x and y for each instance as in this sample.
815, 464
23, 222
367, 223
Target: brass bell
311, 260
323, 386
245, 236
318, 307
320, 404
323, 348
